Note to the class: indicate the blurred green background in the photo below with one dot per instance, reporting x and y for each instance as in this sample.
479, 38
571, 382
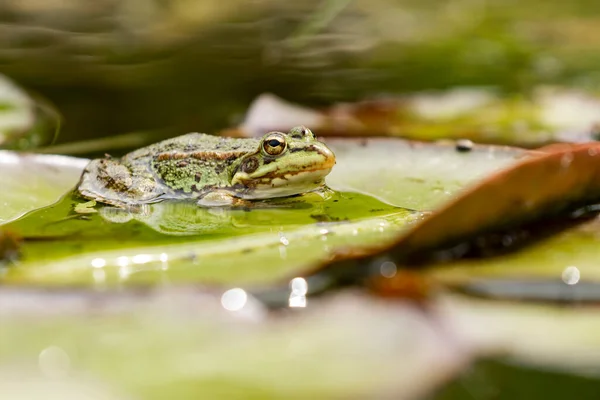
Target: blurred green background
113, 66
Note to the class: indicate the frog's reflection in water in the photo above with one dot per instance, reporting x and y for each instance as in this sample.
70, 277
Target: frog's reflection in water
187, 218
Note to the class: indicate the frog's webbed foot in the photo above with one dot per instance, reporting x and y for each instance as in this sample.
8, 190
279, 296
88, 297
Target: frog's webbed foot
217, 198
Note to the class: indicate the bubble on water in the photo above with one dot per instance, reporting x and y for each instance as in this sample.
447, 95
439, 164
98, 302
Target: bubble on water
464, 145
234, 299
299, 288
141, 258
164, 259
54, 362
566, 160
571, 275
296, 301
98, 262
388, 269
122, 261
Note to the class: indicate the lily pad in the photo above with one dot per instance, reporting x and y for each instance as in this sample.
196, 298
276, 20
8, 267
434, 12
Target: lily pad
545, 115
179, 242
24, 122
196, 342
540, 335
562, 267
32, 181
410, 174
547, 182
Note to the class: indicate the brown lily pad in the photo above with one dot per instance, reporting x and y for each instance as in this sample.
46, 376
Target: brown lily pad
550, 181
542, 116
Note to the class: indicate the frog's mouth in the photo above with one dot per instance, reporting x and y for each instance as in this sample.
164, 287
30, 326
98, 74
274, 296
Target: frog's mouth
283, 184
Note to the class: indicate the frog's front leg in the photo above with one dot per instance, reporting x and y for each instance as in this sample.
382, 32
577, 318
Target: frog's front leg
221, 198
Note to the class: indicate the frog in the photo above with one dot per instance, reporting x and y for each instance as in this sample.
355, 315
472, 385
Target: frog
211, 170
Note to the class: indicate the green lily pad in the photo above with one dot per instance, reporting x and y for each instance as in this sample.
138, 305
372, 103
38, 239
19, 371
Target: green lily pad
183, 344
24, 122
179, 242
540, 335
409, 174
32, 181
555, 268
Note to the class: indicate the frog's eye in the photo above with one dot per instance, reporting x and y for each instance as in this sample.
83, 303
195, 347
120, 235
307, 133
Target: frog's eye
300, 132
274, 144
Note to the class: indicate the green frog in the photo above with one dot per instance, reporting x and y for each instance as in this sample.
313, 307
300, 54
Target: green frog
214, 171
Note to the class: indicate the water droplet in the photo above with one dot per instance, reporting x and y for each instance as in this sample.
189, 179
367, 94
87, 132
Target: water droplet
388, 269
141, 258
464, 145
323, 231
284, 241
592, 151
296, 301
282, 252
571, 275
164, 259
98, 262
122, 261
566, 160
299, 286
234, 299
54, 362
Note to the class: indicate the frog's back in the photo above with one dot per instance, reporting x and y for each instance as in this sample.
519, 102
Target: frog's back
199, 145
190, 164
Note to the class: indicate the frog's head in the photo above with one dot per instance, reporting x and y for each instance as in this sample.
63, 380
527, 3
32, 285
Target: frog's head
284, 165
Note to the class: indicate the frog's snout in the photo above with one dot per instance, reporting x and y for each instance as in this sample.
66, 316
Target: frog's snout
329, 161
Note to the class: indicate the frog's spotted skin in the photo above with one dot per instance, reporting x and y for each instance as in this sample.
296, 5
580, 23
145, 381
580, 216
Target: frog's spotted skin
213, 170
